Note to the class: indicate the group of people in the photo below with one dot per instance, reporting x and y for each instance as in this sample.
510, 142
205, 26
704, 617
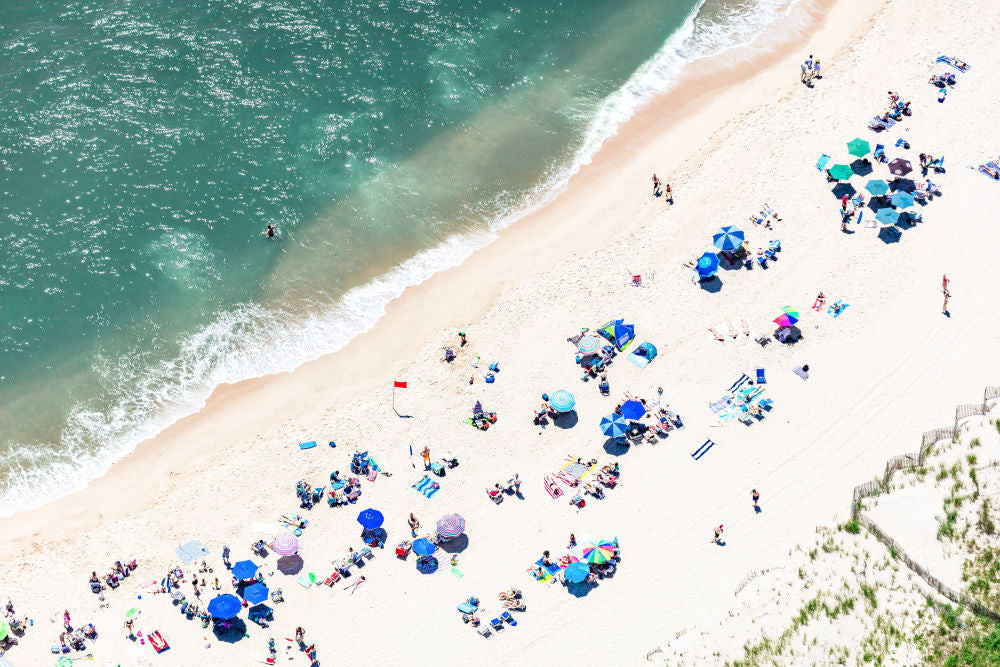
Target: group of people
662, 190
113, 578
809, 70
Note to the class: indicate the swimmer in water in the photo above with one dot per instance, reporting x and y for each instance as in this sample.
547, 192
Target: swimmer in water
269, 232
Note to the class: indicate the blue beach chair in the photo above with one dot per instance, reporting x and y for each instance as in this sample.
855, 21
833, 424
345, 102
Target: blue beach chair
760, 376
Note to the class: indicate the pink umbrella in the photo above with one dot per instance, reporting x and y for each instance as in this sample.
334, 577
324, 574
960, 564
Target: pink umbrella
286, 545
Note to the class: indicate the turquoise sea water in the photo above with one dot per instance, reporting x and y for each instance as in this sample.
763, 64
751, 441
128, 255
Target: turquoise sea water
145, 145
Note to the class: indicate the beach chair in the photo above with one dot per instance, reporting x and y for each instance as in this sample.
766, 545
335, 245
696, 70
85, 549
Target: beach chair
496, 624
879, 154
760, 376
762, 262
495, 496
509, 618
367, 553
822, 162
332, 579
483, 630
605, 388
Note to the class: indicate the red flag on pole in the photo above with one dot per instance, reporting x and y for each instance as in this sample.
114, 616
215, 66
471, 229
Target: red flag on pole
398, 385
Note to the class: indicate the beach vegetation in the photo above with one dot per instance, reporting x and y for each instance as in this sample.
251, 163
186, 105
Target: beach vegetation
869, 593
985, 523
853, 526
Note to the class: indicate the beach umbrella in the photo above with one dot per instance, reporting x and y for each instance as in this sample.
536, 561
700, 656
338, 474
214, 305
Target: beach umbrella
224, 607
633, 410
841, 172
614, 426
598, 552
64, 661
728, 238
4, 629
858, 147
256, 594
786, 316
244, 569
902, 200
877, 187
900, 167
191, 551
708, 265
290, 564
887, 216
4, 662
577, 572
562, 401
285, 545
370, 519
131, 613
451, 525
589, 345
423, 547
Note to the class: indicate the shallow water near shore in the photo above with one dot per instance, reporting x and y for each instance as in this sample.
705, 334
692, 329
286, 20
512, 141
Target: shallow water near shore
148, 145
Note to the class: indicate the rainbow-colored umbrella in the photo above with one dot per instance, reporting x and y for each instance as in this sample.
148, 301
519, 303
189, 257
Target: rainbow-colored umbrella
451, 525
589, 345
786, 317
598, 552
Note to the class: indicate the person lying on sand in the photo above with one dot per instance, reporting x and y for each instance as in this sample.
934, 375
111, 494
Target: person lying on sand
716, 334
732, 331
745, 323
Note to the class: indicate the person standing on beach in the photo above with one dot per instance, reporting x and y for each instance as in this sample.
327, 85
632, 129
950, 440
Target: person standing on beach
946, 292
461, 337
656, 186
718, 535
225, 557
426, 453
802, 73
816, 70
668, 194
756, 500
414, 524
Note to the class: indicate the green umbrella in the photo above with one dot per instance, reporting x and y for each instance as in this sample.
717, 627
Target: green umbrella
858, 147
841, 172
64, 661
4, 629
131, 612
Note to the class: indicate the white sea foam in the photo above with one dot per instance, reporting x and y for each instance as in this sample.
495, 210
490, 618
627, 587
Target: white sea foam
251, 341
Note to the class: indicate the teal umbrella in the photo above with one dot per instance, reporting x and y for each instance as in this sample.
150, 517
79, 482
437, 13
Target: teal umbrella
902, 200
887, 216
877, 187
841, 172
858, 147
562, 401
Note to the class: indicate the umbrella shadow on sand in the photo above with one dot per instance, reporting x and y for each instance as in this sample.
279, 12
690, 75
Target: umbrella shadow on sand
615, 448
862, 167
841, 189
890, 234
230, 631
712, 285
455, 545
290, 564
579, 590
566, 419
903, 185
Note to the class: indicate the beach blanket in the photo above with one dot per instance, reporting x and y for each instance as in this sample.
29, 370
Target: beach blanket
701, 451
739, 383
721, 404
550, 570
577, 470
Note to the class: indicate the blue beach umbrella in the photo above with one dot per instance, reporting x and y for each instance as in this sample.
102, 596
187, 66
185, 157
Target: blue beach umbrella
256, 594
887, 216
562, 401
902, 200
370, 518
877, 187
708, 265
633, 410
577, 572
614, 426
224, 607
728, 238
245, 569
423, 547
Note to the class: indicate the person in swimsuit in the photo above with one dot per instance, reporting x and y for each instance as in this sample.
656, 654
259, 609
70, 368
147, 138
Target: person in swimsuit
269, 232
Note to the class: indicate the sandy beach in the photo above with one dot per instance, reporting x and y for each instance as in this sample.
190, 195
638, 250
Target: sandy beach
739, 131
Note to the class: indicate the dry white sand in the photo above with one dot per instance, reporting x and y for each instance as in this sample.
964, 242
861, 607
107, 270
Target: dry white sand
730, 140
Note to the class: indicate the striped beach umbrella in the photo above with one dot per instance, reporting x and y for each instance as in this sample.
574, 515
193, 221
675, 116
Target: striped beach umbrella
589, 344
285, 545
562, 401
614, 426
451, 525
598, 551
786, 316
729, 238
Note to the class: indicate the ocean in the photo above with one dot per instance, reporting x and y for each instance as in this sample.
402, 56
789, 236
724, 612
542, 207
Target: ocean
145, 146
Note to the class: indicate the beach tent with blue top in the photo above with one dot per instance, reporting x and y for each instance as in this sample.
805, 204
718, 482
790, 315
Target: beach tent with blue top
642, 355
619, 333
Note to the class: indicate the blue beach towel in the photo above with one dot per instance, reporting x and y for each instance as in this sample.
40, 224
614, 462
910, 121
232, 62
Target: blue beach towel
419, 486
431, 490
739, 383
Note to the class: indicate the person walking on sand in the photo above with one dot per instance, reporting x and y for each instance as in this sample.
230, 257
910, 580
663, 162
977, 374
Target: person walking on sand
461, 337
572, 541
300, 635
668, 194
426, 453
802, 73
718, 535
815, 72
414, 524
656, 186
756, 500
66, 620
946, 292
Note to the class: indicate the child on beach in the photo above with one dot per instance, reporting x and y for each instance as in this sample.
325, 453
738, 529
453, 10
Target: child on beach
718, 535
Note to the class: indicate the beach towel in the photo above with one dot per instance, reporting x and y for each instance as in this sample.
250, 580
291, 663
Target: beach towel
551, 487
303, 582
798, 370
419, 486
577, 470
721, 404
739, 383
821, 163
431, 490
701, 451
837, 308
569, 480
954, 62
550, 570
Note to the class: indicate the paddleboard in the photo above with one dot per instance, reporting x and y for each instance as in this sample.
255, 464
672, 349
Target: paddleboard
307, 445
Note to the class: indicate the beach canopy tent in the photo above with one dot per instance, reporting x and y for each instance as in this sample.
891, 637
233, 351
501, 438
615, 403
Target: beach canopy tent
256, 594
841, 172
423, 547
614, 426
877, 187
887, 216
577, 572
191, 551
224, 607
562, 401
643, 354
244, 569
633, 410
619, 333
858, 147
370, 519
729, 238
707, 266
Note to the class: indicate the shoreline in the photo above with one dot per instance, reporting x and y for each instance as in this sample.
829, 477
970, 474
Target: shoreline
532, 243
